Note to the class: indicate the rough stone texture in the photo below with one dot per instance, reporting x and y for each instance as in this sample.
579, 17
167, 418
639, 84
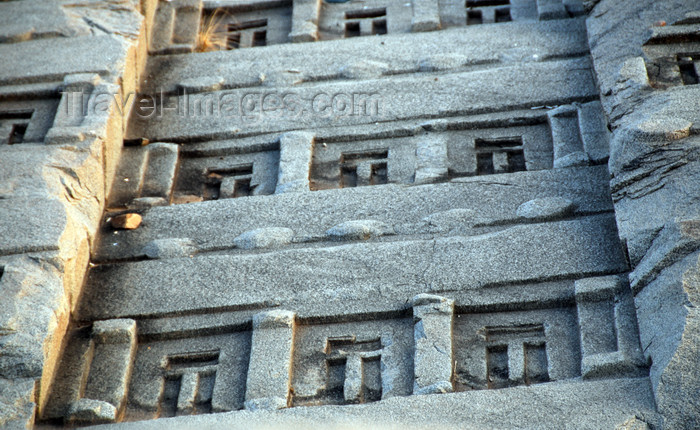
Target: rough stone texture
268, 237
433, 338
87, 411
295, 160
457, 157
611, 403
48, 47
358, 230
653, 162
268, 385
546, 208
16, 406
321, 280
169, 248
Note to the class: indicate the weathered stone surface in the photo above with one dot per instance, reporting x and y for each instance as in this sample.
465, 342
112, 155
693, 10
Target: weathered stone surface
114, 331
389, 100
433, 344
64, 191
473, 174
383, 273
295, 161
404, 209
358, 230
268, 385
546, 208
27, 323
67, 56
87, 411
451, 219
616, 400
169, 248
653, 157
17, 403
268, 237
401, 53
431, 156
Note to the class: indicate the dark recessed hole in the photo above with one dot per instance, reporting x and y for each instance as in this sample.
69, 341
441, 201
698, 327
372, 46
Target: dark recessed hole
368, 155
17, 133
536, 367
516, 161
482, 3
498, 143
503, 14
238, 26
497, 371
352, 29
233, 41
379, 174
260, 38
484, 164
686, 65
379, 26
245, 169
171, 391
242, 188
194, 359
474, 17
365, 13
348, 176
16, 115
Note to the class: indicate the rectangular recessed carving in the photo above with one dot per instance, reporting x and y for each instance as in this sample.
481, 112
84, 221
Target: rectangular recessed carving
17, 133
487, 11
379, 26
432, 156
503, 14
193, 375
352, 29
247, 34
527, 355
16, 115
365, 13
474, 12
13, 126
248, 25
474, 17
536, 363
363, 168
499, 155
609, 336
190, 175
226, 176
354, 369
672, 55
688, 67
228, 182
355, 362
233, 41
196, 359
365, 22
189, 383
507, 349
483, 3
372, 17
497, 366
28, 121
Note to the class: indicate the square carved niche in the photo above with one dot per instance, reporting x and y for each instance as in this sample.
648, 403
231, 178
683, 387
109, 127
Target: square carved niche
246, 25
